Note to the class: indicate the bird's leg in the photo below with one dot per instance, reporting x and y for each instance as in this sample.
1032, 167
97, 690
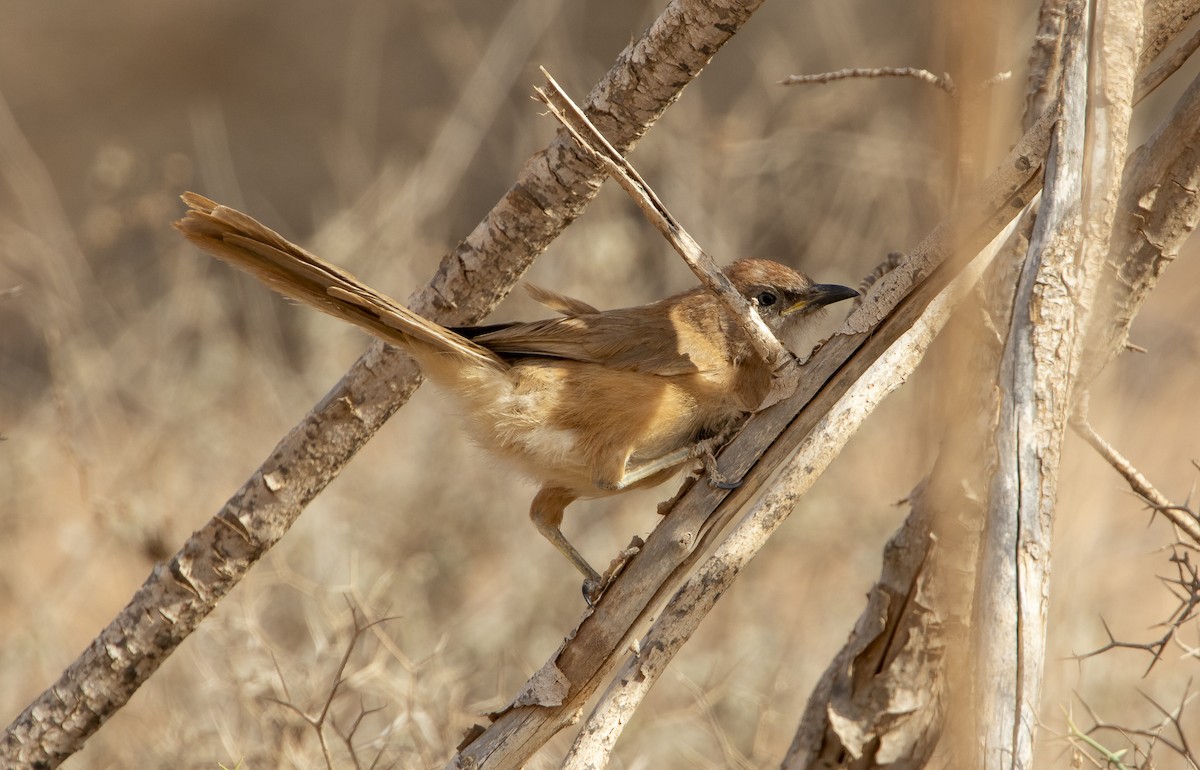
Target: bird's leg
706, 449
547, 514
635, 473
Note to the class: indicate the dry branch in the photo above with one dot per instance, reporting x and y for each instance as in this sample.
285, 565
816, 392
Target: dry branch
1164, 20
1181, 517
1159, 209
1045, 59
910, 637
702, 265
691, 604
701, 512
550, 192
1152, 80
943, 81
945, 506
1055, 296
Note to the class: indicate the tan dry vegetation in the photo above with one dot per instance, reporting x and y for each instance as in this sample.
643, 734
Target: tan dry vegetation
141, 382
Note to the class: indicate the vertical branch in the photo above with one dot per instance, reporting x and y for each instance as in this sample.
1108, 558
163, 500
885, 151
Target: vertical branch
1045, 60
883, 699
848, 720
1038, 368
1012, 583
1159, 208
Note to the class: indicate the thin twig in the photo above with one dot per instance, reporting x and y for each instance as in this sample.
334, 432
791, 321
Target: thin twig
1178, 515
1111, 758
1185, 587
944, 82
1153, 735
1173, 718
703, 265
323, 717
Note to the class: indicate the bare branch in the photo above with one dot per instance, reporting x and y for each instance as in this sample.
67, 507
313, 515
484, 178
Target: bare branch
1040, 366
323, 717
1159, 210
1152, 80
1045, 60
944, 81
701, 512
943, 507
909, 638
1180, 516
1143, 751
703, 265
1185, 586
1165, 19
684, 612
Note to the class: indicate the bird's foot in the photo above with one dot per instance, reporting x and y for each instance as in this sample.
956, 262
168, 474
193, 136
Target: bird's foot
705, 451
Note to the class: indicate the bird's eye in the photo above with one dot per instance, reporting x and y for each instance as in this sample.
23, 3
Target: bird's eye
765, 298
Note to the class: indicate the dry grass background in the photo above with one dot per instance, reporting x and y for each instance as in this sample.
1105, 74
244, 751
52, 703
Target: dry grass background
141, 382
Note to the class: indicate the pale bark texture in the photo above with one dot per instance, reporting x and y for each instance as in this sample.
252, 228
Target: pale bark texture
928, 559
1157, 211
1038, 371
837, 423
886, 699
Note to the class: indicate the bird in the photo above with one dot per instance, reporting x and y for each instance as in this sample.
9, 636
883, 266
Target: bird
588, 403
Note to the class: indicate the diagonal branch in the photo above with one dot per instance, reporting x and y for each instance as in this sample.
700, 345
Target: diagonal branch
701, 512
837, 424
1180, 517
907, 644
550, 192
946, 505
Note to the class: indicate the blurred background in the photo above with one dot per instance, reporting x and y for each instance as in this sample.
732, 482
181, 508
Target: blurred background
141, 382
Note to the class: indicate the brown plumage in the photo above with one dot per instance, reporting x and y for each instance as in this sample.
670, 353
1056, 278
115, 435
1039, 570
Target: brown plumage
589, 403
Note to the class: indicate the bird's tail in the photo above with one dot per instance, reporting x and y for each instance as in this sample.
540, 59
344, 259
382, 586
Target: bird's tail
248, 245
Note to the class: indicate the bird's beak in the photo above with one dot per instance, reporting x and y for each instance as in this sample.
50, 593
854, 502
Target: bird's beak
819, 295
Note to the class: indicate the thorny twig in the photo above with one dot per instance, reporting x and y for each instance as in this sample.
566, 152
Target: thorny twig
1186, 588
1142, 752
1180, 515
318, 722
1076, 736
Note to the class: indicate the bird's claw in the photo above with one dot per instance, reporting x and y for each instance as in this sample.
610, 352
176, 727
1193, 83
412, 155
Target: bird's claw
592, 590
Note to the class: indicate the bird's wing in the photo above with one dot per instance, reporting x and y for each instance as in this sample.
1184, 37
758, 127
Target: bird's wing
629, 339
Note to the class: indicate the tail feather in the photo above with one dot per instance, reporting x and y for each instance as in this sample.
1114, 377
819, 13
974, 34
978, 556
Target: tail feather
242, 241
